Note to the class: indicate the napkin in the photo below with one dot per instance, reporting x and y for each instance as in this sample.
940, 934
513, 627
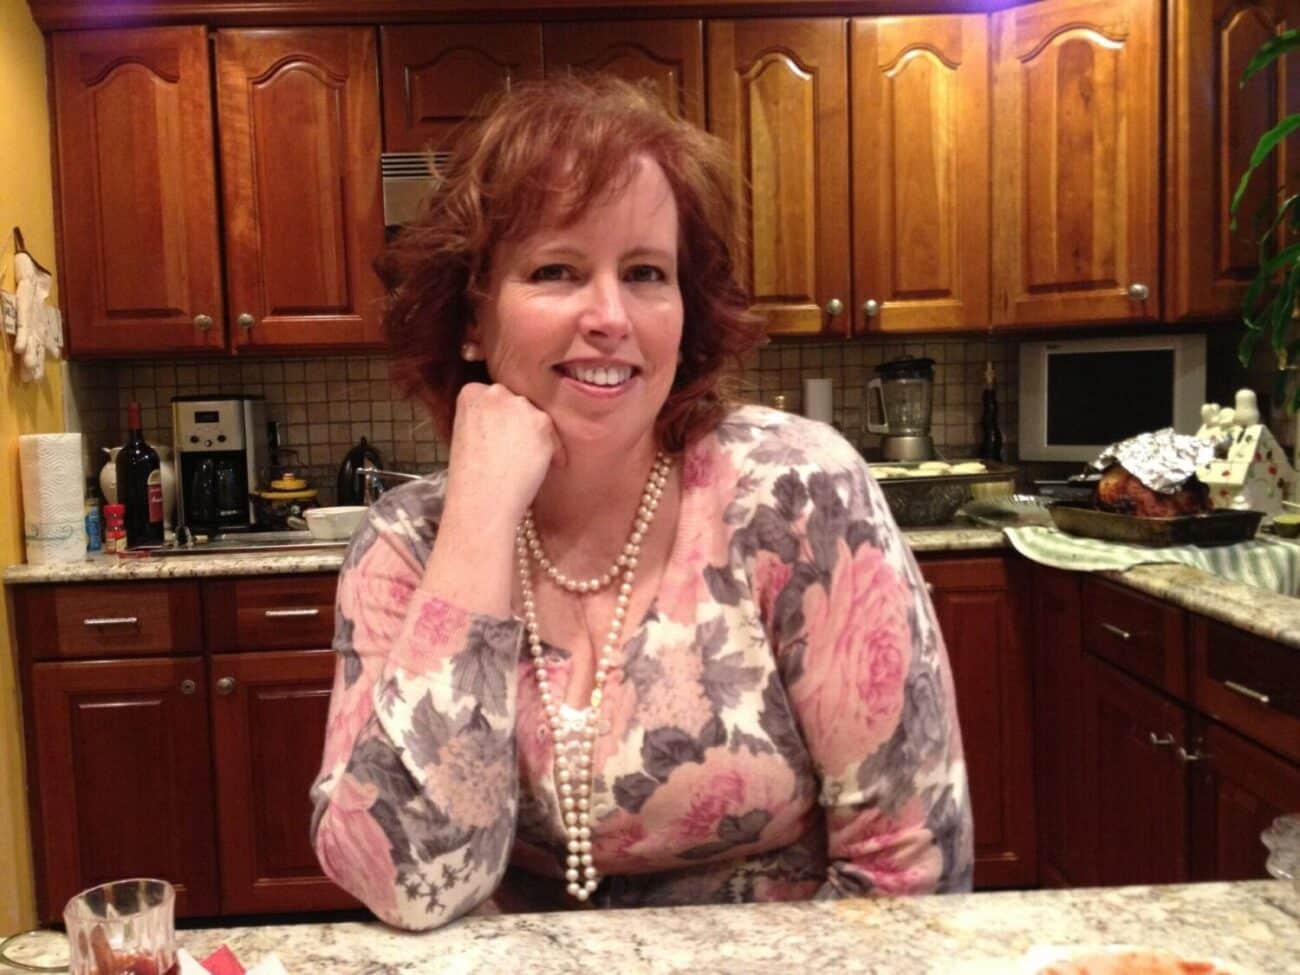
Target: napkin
224, 962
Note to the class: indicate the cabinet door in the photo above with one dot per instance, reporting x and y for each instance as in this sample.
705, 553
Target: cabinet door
436, 76
980, 621
268, 721
778, 95
137, 191
1134, 782
920, 173
1057, 655
123, 778
669, 53
1076, 149
1214, 124
1238, 793
299, 122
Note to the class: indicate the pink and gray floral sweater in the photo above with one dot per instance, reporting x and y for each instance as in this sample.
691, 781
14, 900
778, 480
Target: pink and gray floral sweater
782, 724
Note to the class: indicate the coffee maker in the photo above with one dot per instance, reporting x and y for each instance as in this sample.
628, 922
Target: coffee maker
220, 442
898, 408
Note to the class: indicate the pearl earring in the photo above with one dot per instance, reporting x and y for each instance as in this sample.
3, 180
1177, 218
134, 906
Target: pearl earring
471, 352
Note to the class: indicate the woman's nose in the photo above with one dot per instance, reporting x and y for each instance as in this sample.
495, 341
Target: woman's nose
606, 312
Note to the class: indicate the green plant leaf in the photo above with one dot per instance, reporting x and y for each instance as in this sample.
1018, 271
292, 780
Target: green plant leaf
1286, 208
1269, 52
1283, 307
1267, 143
1280, 382
1246, 350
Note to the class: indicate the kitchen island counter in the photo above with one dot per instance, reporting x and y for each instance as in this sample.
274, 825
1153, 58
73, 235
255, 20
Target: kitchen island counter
1255, 925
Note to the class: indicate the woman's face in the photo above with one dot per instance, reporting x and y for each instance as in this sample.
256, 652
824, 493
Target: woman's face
585, 321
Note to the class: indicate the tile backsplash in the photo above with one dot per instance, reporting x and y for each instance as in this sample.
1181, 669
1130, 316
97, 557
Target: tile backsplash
325, 404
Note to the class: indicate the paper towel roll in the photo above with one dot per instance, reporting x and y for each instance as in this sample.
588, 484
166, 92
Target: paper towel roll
54, 514
818, 400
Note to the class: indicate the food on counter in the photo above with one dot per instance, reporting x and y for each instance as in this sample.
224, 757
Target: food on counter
1122, 492
929, 468
1137, 962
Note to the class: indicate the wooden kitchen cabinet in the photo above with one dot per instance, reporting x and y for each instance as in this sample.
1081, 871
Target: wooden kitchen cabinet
298, 117
667, 53
778, 96
1238, 790
1076, 151
268, 731
437, 76
920, 173
140, 255
1214, 124
122, 778
1132, 771
980, 615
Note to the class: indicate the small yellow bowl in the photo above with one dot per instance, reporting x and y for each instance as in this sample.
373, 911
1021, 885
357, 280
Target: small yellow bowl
1288, 526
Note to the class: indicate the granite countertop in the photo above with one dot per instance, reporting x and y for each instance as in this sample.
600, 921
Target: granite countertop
1270, 615
1255, 926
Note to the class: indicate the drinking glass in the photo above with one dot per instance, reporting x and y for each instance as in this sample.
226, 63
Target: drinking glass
125, 927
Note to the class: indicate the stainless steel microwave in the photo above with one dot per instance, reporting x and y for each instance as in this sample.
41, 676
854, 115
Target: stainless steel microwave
1078, 396
407, 177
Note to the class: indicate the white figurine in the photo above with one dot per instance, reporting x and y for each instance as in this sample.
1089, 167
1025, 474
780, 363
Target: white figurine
1246, 411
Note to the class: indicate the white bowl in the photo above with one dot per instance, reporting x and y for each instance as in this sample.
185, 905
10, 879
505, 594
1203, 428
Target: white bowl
334, 524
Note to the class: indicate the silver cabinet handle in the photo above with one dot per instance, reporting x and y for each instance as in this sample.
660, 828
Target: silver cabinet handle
203, 322
1187, 757
1122, 634
246, 321
1139, 291
112, 621
279, 614
188, 687
1245, 691
1161, 741
929, 588
835, 308
871, 308
226, 686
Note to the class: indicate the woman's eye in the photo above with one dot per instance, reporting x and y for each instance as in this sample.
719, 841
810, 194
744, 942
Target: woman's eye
551, 272
646, 272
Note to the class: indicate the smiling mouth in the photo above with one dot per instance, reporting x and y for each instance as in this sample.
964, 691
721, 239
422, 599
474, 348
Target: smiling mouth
607, 377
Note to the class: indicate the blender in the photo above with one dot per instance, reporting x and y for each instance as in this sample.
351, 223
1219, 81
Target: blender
898, 408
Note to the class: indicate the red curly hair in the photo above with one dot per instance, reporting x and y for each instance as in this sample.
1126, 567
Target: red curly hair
546, 152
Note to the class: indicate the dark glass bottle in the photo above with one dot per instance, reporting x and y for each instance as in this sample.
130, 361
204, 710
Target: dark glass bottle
139, 485
991, 442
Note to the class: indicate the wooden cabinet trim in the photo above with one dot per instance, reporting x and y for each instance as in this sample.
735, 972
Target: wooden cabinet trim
71, 14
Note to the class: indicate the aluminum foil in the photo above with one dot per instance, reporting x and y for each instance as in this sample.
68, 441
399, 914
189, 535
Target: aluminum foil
1162, 460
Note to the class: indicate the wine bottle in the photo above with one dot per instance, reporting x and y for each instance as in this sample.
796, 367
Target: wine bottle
991, 442
139, 485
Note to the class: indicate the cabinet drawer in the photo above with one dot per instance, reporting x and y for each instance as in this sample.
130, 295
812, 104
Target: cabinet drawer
1249, 683
125, 619
1143, 636
273, 613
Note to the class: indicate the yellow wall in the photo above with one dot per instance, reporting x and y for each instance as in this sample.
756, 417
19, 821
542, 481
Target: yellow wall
26, 200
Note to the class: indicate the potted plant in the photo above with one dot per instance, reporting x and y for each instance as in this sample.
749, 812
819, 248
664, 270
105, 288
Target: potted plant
1269, 306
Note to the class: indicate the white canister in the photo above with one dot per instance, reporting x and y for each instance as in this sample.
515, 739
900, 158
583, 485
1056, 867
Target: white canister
54, 509
818, 400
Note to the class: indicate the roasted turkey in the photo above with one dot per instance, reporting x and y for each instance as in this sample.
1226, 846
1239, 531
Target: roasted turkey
1120, 491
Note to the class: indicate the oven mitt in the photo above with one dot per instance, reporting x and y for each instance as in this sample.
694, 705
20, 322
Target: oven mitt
30, 337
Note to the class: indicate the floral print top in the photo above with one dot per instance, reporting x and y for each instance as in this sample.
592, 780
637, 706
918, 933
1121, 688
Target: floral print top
782, 724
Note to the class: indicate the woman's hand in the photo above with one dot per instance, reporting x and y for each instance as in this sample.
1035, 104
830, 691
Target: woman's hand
501, 448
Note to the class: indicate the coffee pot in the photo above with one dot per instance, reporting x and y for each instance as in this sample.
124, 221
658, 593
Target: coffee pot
352, 480
899, 403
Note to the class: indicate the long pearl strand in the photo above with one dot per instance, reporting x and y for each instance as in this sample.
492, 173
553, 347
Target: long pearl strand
574, 776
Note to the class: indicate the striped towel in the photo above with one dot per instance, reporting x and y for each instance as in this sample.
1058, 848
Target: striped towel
1268, 563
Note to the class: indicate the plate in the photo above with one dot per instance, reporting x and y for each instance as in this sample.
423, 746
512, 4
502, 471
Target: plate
1212, 528
1012, 511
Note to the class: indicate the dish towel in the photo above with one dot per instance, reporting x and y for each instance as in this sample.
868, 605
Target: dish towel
1267, 563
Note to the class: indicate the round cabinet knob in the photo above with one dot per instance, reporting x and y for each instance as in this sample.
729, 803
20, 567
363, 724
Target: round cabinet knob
871, 308
1139, 291
188, 687
226, 686
834, 307
203, 322
246, 321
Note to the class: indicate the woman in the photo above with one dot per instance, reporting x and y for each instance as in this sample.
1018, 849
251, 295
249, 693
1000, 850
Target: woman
637, 644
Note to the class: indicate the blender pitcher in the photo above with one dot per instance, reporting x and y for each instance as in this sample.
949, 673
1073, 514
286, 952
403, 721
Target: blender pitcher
898, 408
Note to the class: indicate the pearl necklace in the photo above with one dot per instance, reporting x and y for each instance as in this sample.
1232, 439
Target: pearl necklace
574, 775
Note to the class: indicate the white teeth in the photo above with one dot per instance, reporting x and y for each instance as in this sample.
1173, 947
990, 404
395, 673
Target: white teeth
600, 375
